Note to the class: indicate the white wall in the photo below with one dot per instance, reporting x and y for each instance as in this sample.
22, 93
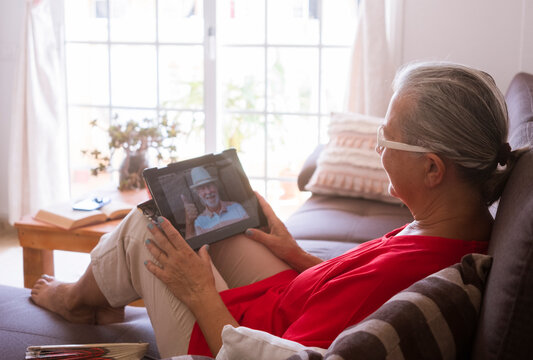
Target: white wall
493, 35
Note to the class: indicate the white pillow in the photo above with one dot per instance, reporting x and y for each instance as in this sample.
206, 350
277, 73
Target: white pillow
243, 343
349, 164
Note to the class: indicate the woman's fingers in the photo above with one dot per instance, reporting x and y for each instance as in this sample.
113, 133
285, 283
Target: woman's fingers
160, 240
154, 269
159, 255
173, 235
259, 236
204, 254
167, 237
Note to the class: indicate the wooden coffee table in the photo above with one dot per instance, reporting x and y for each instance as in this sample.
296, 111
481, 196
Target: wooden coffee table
39, 240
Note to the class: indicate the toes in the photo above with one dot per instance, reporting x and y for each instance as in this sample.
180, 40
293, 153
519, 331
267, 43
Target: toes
41, 282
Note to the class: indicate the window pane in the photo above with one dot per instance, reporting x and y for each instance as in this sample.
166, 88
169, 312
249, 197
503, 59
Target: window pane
293, 80
87, 74
290, 140
258, 185
181, 21
243, 21
246, 133
335, 63
191, 134
338, 22
293, 22
243, 78
121, 117
181, 77
84, 137
324, 128
85, 20
133, 75
132, 20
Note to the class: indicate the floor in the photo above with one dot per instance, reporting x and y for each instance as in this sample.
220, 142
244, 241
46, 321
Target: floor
69, 266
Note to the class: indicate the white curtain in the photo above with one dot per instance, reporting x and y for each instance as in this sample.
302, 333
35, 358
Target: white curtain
372, 68
38, 157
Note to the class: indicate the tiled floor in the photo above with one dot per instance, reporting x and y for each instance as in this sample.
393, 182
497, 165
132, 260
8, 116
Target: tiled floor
68, 265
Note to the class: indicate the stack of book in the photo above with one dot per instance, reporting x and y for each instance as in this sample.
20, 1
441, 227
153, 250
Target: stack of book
110, 351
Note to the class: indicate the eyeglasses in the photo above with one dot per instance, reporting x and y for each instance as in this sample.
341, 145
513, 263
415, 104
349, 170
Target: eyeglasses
382, 143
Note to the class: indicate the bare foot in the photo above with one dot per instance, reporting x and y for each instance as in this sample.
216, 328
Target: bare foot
57, 297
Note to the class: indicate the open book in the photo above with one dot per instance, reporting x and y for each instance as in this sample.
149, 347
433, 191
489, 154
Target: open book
88, 351
63, 216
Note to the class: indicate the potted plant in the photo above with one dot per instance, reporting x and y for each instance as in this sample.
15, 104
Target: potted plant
135, 138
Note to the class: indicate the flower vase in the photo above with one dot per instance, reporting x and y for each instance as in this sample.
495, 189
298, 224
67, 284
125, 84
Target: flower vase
130, 172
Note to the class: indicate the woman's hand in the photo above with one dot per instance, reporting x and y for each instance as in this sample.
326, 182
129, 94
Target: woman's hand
189, 277
278, 239
187, 274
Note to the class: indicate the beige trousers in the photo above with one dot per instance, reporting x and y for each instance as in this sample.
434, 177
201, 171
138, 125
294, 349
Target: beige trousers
118, 266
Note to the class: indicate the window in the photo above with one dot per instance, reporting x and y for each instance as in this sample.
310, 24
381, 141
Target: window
258, 75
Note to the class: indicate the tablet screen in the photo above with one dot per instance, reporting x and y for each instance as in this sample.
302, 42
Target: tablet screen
207, 198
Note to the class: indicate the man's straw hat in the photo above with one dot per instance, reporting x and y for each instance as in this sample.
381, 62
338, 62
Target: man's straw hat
200, 176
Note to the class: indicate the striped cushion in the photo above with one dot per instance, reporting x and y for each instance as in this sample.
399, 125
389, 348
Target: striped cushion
349, 165
435, 318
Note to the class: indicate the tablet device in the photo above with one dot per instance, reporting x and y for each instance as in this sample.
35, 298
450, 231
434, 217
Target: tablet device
206, 199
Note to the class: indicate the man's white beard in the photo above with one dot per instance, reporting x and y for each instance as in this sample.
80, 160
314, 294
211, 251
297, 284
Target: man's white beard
212, 201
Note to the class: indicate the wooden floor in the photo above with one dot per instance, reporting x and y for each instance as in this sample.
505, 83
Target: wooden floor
69, 266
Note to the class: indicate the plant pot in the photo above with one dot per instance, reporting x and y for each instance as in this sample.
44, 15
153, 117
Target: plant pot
130, 172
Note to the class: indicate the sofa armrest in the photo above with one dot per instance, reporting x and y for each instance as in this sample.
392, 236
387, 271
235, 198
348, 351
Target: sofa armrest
309, 167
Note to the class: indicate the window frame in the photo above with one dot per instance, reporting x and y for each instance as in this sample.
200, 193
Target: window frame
212, 108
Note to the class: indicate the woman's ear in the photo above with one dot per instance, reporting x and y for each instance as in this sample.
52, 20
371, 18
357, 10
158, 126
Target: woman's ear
435, 169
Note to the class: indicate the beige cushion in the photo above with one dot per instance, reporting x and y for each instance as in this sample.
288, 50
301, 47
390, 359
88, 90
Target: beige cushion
349, 165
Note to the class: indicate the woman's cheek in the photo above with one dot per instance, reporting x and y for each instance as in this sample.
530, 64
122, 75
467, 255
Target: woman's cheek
386, 163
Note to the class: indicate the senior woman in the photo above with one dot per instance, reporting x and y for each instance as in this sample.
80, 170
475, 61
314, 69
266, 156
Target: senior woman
443, 146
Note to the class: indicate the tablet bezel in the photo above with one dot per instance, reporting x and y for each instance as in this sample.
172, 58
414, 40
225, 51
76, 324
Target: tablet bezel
231, 178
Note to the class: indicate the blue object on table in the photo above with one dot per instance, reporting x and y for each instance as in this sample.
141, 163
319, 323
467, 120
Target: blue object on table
92, 203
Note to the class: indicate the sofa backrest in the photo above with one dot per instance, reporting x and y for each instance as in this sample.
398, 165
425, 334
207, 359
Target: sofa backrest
519, 99
505, 327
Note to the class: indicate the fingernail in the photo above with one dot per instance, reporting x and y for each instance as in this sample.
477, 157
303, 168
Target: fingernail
160, 219
147, 241
150, 226
249, 232
207, 247
146, 262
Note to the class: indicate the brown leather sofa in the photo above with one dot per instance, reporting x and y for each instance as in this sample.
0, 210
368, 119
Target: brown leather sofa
328, 226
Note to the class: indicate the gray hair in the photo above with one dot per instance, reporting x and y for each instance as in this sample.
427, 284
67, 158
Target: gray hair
459, 113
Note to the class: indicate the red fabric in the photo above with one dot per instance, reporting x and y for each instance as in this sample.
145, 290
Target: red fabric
315, 306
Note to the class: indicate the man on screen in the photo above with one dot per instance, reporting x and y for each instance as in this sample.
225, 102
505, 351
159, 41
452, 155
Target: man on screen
217, 213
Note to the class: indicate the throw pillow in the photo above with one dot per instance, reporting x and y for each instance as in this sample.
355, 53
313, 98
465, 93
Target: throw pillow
435, 318
244, 343
349, 164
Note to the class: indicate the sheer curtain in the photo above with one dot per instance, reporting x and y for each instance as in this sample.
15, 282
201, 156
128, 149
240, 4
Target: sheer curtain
38, 157
372, 67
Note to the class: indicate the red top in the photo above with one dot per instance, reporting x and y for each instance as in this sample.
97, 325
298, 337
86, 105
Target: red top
314, 307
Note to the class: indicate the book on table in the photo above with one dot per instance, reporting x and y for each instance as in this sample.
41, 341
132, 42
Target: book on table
64, 216
110, 351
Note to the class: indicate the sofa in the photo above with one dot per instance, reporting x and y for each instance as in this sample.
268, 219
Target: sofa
327, 225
